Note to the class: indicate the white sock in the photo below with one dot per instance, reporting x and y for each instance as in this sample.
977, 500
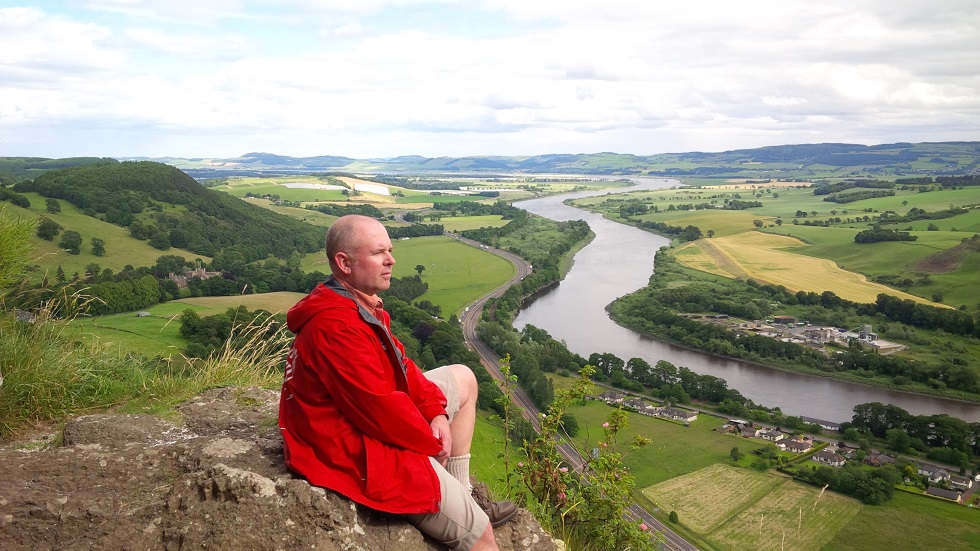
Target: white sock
459, 467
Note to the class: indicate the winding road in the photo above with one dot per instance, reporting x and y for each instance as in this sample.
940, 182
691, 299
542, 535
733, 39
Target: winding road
471, 317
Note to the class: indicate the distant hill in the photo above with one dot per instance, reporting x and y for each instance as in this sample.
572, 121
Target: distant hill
897, 158
166, 207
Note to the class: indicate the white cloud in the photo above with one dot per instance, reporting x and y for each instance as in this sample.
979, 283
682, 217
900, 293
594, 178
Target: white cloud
390, 77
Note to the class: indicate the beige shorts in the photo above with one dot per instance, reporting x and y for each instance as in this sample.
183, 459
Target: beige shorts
460, 522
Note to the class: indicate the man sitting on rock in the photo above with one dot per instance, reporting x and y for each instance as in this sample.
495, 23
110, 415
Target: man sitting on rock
360, 418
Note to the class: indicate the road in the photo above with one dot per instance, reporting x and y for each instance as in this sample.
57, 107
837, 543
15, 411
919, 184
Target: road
471, 317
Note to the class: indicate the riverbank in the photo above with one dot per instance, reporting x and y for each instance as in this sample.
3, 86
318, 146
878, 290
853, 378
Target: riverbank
801, 370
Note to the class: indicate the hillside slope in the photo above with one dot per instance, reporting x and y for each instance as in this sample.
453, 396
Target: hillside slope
168, 208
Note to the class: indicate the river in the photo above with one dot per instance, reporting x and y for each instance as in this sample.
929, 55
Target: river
619, 261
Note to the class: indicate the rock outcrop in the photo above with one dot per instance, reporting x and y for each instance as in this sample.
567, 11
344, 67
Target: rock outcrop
216, 481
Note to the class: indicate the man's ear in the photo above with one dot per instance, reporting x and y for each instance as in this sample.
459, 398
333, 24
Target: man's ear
343, 262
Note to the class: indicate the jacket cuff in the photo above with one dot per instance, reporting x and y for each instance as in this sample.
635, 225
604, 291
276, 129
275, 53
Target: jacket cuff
431, 412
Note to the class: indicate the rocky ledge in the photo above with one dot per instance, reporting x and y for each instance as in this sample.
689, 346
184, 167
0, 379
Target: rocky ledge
216, 481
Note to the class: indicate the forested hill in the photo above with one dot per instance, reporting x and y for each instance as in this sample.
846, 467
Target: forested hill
165, 206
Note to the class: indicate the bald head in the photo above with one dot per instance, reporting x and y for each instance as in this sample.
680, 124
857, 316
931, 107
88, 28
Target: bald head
359, 251
343, 235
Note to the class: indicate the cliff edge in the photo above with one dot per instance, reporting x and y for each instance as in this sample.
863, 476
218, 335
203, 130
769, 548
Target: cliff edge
216, 481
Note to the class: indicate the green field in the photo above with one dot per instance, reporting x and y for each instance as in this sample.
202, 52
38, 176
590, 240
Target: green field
159, 333
120, 248
460, 223
739, 509
676, 450
911, 523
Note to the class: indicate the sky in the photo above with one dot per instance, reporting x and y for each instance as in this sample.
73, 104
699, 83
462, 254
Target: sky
382, 78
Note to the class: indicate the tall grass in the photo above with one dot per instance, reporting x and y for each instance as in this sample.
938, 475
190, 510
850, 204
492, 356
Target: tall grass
49, 374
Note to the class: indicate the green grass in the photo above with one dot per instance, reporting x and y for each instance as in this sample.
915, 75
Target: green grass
159, 333
676, 449
913, 523
460, 223
120, 248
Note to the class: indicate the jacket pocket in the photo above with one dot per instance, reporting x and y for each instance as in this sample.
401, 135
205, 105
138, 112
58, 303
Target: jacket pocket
380, 459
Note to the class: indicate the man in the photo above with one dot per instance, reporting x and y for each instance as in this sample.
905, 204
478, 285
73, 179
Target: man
360, 418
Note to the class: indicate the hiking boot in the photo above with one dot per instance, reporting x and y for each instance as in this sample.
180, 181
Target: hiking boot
499, 511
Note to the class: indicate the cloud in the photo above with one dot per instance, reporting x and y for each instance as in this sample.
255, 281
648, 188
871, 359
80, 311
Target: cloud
390, 77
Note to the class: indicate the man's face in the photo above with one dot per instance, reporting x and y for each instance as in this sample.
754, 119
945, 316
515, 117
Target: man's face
368, 266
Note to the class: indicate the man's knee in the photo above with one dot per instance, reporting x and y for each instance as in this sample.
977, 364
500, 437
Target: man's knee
465, 380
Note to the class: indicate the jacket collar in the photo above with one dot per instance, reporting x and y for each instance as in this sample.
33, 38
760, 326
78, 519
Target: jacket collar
337, 287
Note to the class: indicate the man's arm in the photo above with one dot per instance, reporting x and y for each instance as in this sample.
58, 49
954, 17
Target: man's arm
345, 358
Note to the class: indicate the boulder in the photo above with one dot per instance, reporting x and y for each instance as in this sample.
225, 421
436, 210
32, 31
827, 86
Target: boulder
216, 481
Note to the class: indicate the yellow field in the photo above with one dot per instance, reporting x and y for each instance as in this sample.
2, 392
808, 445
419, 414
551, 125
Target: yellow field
740, 509
761, 256
278, 302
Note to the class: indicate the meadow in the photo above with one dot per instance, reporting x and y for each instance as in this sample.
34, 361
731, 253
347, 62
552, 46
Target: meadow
740, 509
911, 523
159, 332
120, 248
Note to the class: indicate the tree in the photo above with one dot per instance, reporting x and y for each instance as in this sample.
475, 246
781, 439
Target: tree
419, 268
71, 241
48, 229
52, 205
711, 233
779, 222
673, 517
735, 454
898, 439
98, 246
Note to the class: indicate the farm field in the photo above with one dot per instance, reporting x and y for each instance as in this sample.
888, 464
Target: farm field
912, 262
676, 450
911, 523
159, 333
460, 223
741, 509
764, 257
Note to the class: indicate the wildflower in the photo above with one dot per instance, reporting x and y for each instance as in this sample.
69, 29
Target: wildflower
520, 463
605, 425
603, 444
644, 527
563, 469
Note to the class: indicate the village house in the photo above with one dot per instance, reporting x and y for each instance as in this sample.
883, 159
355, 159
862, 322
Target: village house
943, 493
962, 483
936, 474
612, 397
794, 446
640, 406
181, 280
749, 431
829, 458
771, 435
878, 459
826, 425
678, 414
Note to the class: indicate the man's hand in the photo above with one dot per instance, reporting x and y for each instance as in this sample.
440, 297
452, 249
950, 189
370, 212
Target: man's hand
440, 430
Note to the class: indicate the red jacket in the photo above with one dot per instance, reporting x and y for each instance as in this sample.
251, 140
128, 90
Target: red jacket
354, 411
